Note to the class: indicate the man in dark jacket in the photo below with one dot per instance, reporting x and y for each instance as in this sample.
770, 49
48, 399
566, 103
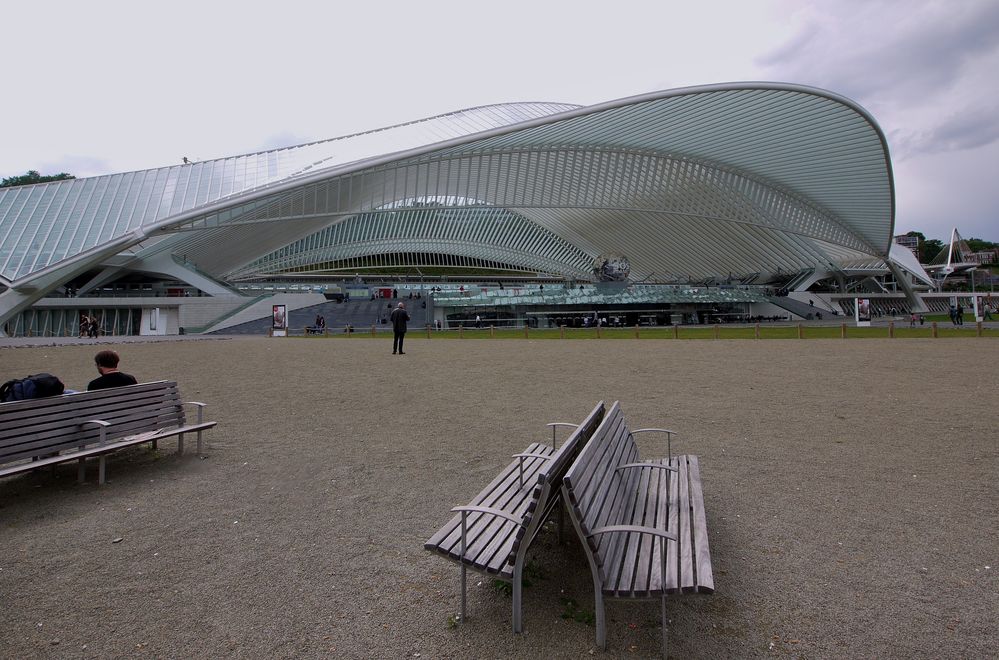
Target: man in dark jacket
107, 365
399, 318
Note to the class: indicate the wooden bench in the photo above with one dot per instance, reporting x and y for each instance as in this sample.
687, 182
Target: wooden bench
642, 524
38, 432
493, 533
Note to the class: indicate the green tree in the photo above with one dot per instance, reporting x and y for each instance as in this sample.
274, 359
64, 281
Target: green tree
978, 244
929, 249
33, 177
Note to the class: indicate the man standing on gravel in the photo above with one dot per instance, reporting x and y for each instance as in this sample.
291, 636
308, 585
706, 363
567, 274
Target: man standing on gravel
399, 318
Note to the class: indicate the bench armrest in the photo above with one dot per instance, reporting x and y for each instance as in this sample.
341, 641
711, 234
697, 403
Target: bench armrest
524, 455
490, 510
654, 466
555, 425
103, 425
669, 438
638, 529
201, 409
465, 510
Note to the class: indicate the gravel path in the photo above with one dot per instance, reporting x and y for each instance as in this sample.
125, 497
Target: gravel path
849, 485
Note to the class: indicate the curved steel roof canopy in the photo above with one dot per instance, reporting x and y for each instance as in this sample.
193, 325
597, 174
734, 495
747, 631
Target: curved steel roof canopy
695, 182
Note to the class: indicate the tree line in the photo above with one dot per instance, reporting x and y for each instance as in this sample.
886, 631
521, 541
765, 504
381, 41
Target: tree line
33, 177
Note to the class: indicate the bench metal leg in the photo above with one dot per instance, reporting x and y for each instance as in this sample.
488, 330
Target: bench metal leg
100, 471
155, 444
180, 444
601, 621
81, 470
199, 443
518, 580
464, 571
463, 583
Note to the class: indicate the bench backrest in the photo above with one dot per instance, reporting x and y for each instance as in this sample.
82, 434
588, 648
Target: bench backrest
41, 427
599, 494
546, 490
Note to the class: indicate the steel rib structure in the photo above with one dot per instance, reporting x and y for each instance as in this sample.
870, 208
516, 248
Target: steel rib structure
689, 183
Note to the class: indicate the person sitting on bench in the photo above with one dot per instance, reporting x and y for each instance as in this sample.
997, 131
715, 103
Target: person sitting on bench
107, 365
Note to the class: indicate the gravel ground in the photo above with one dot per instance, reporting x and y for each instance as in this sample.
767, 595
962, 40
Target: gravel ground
849, 486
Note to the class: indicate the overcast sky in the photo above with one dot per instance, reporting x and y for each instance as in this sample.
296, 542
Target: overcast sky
99, 87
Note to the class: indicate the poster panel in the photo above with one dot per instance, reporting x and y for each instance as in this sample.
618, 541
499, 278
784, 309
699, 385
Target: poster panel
862, 312
279, 324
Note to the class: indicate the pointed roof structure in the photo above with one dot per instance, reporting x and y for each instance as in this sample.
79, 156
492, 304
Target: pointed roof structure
686, 183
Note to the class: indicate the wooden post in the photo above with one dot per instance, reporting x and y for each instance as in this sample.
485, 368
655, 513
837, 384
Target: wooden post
492, 332
756, 330
676, 332
717, 332
598, 328
978, 325
891, 329
461, 331
801, 332
428, 331
933, 327
842, 331
372, 329
561, 329
636, 332
526, 331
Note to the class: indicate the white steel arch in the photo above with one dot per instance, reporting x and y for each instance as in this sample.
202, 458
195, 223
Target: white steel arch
700, 181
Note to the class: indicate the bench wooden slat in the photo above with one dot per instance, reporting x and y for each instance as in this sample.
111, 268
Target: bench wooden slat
683, 531
633, 574
705, 577
672, 583
22, 412
68, 432
97, 450
649, 555
129, 406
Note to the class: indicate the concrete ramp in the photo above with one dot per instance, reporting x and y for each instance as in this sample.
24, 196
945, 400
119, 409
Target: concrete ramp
260, 311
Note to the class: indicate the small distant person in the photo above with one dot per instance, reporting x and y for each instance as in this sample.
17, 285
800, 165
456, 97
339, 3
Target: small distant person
478, 321
84, 325
399, 318
93, 327
107, 365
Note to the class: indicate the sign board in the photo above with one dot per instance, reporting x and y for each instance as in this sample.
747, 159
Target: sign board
862, 312
279, 324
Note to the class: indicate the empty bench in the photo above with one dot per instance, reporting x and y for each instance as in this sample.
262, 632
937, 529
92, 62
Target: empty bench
74, 427
492, 534
642, 524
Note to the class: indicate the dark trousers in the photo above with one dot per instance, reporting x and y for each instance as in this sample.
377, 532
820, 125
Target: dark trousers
397, 341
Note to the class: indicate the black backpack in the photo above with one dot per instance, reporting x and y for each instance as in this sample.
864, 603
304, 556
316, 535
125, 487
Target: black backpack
32, 387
